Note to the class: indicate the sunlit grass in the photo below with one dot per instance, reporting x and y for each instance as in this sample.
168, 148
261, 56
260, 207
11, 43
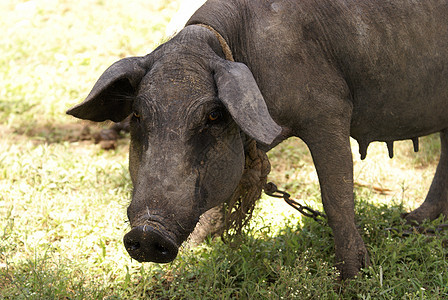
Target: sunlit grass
54, 50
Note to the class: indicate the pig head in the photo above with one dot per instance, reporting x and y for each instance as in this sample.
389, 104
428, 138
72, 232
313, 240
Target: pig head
192, 116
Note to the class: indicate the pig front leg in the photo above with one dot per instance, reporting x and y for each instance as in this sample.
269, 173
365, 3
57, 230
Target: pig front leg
211, 224
330, 148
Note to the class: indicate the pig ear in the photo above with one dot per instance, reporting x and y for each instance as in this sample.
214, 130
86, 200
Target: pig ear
241, 96
112, 95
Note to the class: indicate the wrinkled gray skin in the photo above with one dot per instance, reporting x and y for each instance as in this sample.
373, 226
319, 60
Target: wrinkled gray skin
326, 70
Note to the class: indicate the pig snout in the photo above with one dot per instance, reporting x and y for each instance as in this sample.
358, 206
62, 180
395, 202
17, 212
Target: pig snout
147, 244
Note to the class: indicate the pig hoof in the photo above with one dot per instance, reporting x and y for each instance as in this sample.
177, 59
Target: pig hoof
144, 243
425, 212
352, 258
350, 268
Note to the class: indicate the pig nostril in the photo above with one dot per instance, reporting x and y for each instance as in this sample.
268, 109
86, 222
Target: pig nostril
145, 243
132, 245
161, 249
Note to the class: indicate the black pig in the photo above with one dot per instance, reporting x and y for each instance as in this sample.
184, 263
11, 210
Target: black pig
321, 70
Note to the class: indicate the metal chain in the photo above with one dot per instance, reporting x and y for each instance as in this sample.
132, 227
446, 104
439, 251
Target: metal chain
271, 189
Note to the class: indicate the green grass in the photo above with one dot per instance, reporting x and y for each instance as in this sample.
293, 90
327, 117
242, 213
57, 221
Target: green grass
63, 202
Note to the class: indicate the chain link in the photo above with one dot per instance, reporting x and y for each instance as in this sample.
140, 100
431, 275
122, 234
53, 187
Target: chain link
271, 189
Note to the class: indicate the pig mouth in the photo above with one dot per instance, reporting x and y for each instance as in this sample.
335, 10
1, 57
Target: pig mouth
148, 243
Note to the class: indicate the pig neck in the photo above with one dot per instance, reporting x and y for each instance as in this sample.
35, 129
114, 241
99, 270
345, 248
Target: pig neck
225, 47
230, 20
241, 204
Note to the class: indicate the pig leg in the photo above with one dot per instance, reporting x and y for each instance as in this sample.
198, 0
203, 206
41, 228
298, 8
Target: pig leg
436, 202
211, 223
331, 152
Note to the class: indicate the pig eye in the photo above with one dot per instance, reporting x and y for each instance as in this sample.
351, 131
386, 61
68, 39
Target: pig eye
215, 115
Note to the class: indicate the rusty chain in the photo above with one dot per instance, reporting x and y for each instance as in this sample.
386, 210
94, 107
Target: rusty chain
271, 189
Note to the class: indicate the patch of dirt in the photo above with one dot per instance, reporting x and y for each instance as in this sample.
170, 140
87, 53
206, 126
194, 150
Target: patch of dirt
71, 132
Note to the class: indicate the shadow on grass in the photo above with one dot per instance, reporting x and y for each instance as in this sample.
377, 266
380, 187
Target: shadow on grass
290, 262
297, 263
